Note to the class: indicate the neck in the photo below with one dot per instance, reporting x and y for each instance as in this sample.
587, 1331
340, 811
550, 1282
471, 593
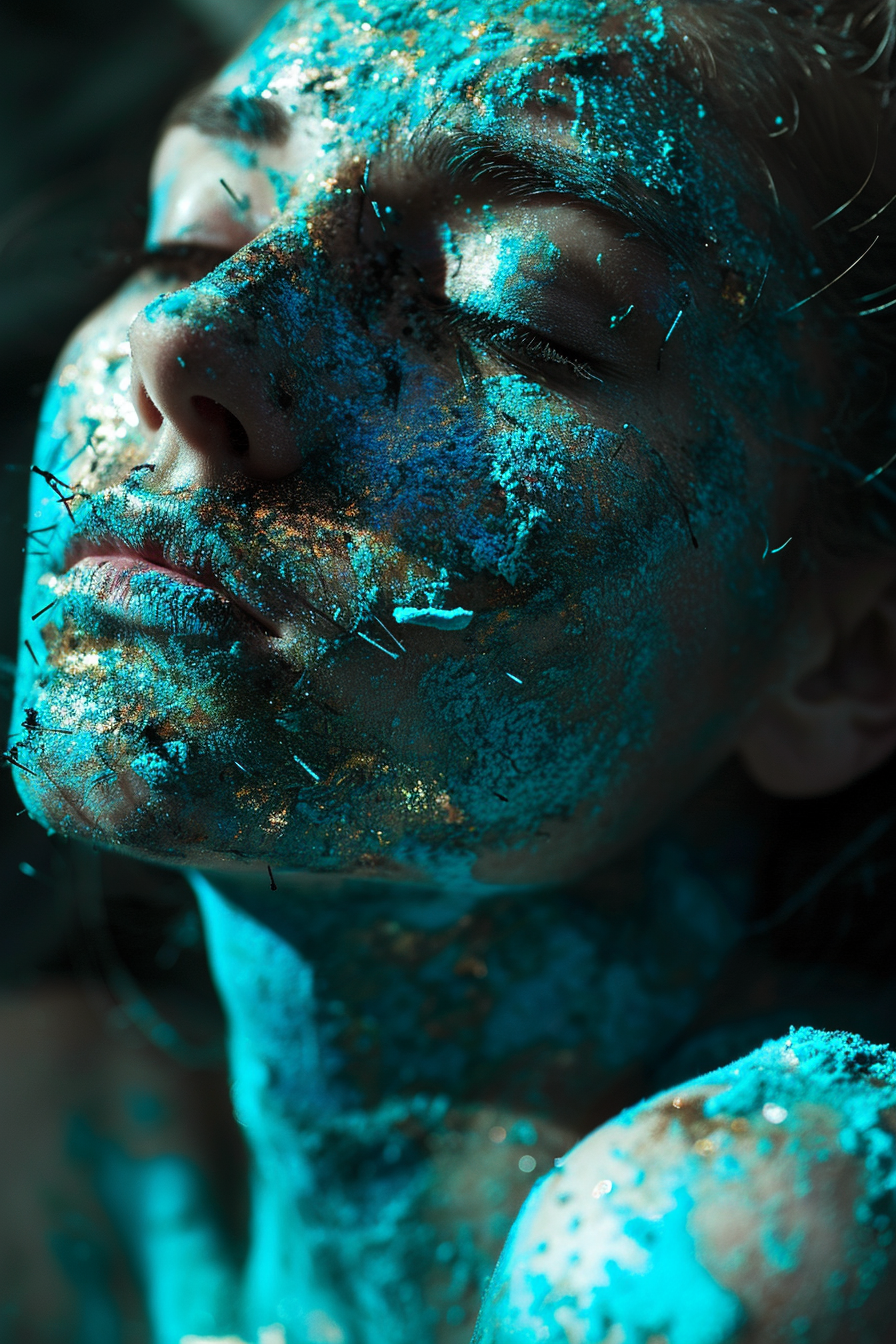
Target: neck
405, 1066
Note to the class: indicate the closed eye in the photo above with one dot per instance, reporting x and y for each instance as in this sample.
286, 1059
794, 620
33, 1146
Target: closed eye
523, 345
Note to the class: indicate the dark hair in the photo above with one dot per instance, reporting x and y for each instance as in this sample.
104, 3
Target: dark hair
809, 89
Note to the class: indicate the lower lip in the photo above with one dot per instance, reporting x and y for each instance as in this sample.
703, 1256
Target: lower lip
126, 590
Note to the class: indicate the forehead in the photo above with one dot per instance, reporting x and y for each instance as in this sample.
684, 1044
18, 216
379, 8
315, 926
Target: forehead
592, 86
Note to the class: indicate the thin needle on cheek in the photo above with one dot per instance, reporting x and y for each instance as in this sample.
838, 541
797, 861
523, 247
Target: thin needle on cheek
685, 303
32, 724
11, 757
387, 652
774, 550
747, 317
307, 768
878, 471
856, 194
390, 634
871, 218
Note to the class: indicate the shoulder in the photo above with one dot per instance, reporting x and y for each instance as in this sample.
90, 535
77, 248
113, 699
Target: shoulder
754, 1203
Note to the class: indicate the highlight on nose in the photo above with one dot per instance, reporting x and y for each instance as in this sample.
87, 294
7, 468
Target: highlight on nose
211, 392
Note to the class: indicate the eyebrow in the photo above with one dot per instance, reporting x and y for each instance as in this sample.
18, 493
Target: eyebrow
524, 167
232, 116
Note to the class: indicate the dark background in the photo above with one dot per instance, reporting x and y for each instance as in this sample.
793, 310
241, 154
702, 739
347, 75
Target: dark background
85, 87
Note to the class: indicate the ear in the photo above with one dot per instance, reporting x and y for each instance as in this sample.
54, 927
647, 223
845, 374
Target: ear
831, 717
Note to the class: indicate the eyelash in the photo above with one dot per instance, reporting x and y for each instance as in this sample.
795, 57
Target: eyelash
520, 343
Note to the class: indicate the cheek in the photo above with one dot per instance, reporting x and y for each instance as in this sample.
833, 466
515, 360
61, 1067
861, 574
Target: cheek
89, 433
594, 619
613, 659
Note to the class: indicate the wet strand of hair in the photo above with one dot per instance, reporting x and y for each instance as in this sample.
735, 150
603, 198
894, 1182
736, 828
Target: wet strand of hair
837, 278
856, 194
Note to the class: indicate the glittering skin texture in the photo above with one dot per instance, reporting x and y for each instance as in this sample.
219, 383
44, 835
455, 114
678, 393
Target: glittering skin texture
400, 555
666, 1222
482, 356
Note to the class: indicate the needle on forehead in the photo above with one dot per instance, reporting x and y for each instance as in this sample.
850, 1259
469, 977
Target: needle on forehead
685, 301
390, 634
368, 640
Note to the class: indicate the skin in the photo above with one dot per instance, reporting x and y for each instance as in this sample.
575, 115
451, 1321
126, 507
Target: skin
598, 502
478, 341
599, 1248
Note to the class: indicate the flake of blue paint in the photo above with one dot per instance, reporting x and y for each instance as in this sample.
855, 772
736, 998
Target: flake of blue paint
457, 618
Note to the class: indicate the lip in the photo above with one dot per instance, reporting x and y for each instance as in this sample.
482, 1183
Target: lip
289, 582
111, 565
126, 591
145, 534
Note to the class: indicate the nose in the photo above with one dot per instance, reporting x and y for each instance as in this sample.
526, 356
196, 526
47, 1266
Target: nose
211, 382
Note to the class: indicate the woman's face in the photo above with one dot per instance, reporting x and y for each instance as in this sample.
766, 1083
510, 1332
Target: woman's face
417, 488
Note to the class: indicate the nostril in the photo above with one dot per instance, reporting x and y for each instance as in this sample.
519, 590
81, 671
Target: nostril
147, 410
224, 422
